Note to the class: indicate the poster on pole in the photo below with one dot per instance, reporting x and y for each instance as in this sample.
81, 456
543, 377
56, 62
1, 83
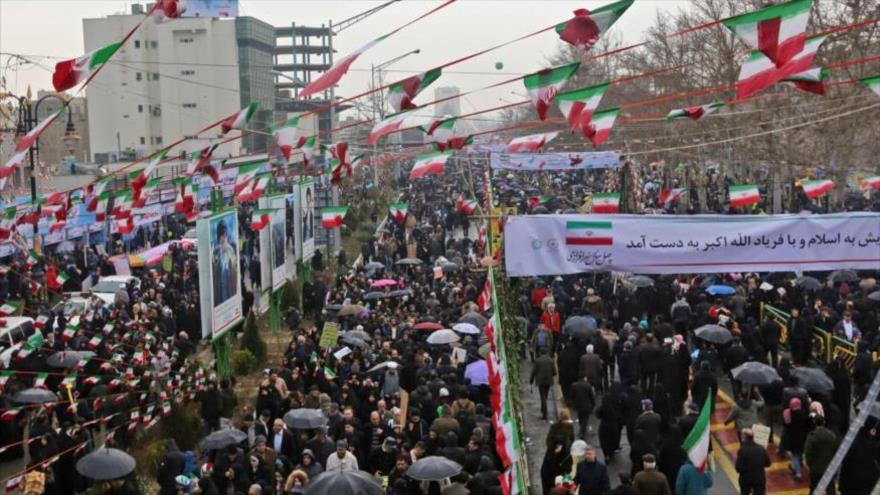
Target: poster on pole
265, 257
219, 277
575, 160
283, 239
657, 244
307, 211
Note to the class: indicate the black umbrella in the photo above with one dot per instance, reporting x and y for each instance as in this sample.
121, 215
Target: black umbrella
401, 293
714, 333
843, 276
874, 296
374, 265
106, 464
475, 319
813, 379
358, 334
808, 283
449, 266
640, 281
755, 373
339, 482
433, 468
579, 325
34, 396
373, 296
346, 339
333, 307
540, 209
221, 439
305, 419
63, 359
408, 261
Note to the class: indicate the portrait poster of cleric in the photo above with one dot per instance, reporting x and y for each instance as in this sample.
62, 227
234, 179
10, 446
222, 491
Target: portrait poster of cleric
307, 195
219, 235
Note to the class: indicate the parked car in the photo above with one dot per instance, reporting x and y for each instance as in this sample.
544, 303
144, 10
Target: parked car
108, 286
13, 335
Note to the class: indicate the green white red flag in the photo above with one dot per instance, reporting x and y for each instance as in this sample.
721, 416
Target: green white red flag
239, 119
244, 176
339, 69
387, 125
260, 218
873, 83
101, 203
398, 211
606, 203
778, 31
61, 278
466, 206
532, 142
70, 73
122, 204
584, 30
600, 126
758, 71
816, 188
872, 182
544, 85
695, 113
141, 195
810, 81
332, 216
744, 195
668, 196
9, 308
429, 164
140, 179
512, 481
94, 191
200, 161
578, 105
309, 148
338, 151
24, 144
255, 188
697, 442
402, 93
286, 136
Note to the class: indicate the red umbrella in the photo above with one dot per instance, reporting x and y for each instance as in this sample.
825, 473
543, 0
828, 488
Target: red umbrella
428, 325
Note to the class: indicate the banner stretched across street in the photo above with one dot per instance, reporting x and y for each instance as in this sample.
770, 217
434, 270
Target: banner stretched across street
577, 160
562, 244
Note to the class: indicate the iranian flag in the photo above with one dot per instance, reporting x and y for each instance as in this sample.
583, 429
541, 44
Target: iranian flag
9, 308
697, 442
122, 205
255, 188
600, 126
810, 81
95, 190
139, 179
335, 73
339, 151
4, 378
667, 196
309, 148
186, 195
466, 206
544, 85
26, 141
40, 380
332, 216
606, 203
873, 83
584, 29
816, 188
695, 113
532, 142
338, 170
744, 195
69, 73
244, 176
777, 31
168, 10
484, 300
286, 136
402, 93
512, 481
398, 211
329, 373
429, 164
32, 259
200, 161
260, 218
41, 321
240, 119
872, 182
7, 223
387, 125
578, 105
101, 206
141, 195
61, 278
758, 71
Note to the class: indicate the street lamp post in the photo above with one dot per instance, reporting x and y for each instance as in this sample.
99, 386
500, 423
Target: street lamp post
378, 102
27, 120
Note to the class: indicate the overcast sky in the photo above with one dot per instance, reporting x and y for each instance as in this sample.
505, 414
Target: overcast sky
54, 28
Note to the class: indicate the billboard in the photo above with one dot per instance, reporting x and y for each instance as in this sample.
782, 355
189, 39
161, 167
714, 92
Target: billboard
307, 215
211, 8
219, 273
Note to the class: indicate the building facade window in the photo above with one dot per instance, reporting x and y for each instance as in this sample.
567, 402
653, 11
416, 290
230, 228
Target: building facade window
137, 44
143, 140
186, 40
189, 105
155, 76
158, 139
187, 73
154, 44
140, 109
138, 76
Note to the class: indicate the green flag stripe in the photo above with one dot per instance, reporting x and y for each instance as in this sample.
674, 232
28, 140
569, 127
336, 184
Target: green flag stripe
587, 225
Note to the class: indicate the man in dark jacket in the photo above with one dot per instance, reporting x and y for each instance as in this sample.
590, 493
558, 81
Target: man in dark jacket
171, 466
770, 334
628, 362
583, 399
649, 481
650, 356
818, 451
543, 371
751, 461
591, 476
799, 335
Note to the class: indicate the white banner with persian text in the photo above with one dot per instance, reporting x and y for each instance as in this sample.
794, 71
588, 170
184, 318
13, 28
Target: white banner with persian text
564, 244
576, 160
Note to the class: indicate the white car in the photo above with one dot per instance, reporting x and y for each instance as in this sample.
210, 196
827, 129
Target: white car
107, 287
74, 305
190, 235
13, 335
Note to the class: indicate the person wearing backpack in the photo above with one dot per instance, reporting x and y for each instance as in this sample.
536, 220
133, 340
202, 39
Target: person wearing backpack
542, 341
